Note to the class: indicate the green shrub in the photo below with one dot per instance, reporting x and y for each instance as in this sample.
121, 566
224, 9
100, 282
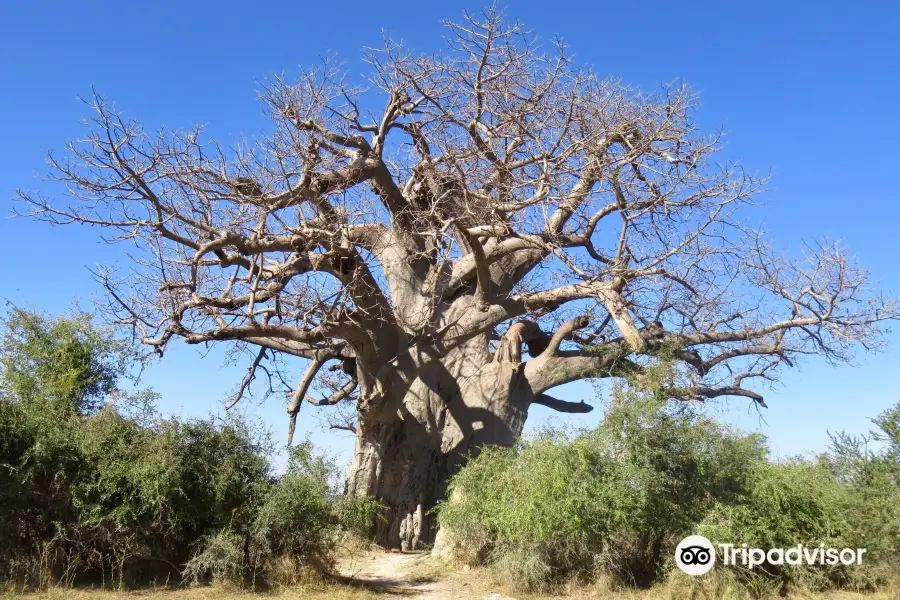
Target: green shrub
786, 504
531, 511
870, 465
65, 360
298, 517
53, 372
222, 557
293, 531
846, 498
106, 492
357, 515
665, 469
154, 491
110, 491
135, 500
616, 500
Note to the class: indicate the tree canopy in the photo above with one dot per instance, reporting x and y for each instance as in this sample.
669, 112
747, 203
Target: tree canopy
494, 190
66, 359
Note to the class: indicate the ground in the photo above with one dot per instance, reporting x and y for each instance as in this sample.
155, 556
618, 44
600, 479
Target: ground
406, 575
412, 576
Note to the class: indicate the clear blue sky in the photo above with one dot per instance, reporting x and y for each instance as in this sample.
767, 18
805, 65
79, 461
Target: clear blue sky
806, 89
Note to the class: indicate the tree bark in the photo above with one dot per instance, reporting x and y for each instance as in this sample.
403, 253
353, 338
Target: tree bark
465, 401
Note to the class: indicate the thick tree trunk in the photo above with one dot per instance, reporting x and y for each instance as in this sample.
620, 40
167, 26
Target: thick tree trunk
467, 400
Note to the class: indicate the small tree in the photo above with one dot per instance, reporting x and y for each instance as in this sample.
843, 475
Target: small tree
66, 360
500, 199
55, 373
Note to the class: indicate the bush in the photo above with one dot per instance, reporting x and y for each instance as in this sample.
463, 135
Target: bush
93, 490
112, 498
298, 517
802, 501
616, 500
53, 373
870, 466
531, 511
154, 491
292, 534
357, 515
223, 557
786, 504
65, 360
103, 493
665, 470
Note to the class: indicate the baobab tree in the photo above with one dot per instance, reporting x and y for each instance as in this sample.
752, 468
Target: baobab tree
444, 246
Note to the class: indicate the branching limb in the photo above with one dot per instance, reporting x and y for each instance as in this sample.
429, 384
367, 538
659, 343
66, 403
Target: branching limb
566, 330
342, 394
248, 379
501, 185
562, 405
703, 393
299, 394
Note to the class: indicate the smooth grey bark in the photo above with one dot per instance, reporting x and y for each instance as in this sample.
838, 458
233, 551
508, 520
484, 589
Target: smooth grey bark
459, 404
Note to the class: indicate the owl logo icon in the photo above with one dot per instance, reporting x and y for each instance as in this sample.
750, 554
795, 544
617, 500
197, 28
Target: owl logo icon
695, 555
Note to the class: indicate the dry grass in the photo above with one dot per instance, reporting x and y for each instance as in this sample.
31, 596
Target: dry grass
665, 592
423, 578
464, 585
335, 592
463, 582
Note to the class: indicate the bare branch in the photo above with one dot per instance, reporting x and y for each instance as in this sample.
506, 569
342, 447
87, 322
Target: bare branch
562, 405
499, 188
251, 375
299, 394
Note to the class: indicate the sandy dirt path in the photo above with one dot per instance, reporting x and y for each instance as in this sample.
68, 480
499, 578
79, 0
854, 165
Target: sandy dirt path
390, 572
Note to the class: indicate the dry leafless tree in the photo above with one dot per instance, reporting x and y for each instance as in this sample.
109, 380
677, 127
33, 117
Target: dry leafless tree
445, 246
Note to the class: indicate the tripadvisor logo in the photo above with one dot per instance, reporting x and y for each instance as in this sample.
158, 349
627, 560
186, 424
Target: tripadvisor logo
696, 555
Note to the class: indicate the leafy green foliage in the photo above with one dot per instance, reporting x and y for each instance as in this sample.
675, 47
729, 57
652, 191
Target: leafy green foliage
870, 467
92, 489
54, 373
154, 490
616, 500
295, 523
292, 532
298, 515
786, 504
106, 491
67, 360
357, 515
